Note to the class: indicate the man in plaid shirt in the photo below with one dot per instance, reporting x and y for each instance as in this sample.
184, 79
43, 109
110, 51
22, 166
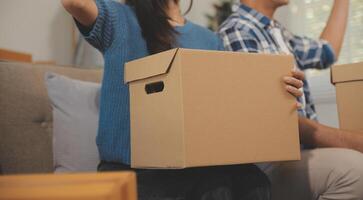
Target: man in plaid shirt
248, 30
320, 174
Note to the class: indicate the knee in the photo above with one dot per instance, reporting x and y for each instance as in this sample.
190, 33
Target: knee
347, 175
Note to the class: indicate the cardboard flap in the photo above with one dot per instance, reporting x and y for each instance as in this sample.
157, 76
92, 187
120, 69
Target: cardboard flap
149, 66
347, 73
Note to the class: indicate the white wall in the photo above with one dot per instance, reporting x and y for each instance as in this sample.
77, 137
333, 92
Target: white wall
40, 27
44, 29
199, 10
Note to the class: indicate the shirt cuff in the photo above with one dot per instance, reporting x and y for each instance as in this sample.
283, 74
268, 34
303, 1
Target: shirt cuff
328, 54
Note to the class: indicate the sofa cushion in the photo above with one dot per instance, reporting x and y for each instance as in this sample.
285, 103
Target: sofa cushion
26, 117
75, 123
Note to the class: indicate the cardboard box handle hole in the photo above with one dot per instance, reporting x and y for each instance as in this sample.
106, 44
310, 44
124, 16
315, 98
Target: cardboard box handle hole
155, 87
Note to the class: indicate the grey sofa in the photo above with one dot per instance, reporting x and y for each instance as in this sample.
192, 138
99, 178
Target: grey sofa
26, 118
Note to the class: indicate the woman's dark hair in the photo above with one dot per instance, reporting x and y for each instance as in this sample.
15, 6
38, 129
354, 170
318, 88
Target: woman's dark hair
154, 22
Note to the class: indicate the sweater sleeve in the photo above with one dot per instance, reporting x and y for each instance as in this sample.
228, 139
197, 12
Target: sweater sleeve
101, 34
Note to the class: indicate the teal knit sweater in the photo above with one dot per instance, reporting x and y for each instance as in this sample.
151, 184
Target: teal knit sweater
116, 33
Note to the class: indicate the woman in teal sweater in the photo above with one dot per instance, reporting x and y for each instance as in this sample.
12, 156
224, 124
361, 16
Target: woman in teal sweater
124, 32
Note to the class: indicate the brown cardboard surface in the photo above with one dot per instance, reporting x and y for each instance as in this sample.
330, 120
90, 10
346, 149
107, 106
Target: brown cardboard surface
347, 72
216, 108
348, 81
156, 65
100, 186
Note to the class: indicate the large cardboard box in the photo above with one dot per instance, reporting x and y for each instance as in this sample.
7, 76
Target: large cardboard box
86, 186
348, 80
200, 108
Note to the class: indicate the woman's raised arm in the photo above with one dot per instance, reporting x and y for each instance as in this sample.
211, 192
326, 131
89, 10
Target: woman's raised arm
84, 11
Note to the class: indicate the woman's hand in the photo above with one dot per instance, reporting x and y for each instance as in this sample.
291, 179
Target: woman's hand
294, 83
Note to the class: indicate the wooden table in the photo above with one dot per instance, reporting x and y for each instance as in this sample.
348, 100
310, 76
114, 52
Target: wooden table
96, 186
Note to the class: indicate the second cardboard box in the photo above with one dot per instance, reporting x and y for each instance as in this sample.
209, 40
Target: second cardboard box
348, 80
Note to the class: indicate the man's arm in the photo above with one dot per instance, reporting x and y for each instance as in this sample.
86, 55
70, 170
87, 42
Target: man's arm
318, 135
84, 11
334, 31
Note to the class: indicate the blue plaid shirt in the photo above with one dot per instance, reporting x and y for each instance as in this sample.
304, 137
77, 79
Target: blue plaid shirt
248, 30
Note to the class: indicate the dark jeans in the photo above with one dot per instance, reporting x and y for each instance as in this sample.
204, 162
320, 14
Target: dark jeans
234, 182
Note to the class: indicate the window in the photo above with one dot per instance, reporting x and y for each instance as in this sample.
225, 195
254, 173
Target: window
315, 14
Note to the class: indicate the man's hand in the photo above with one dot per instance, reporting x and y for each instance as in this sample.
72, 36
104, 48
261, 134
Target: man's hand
294, 83
318, 135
